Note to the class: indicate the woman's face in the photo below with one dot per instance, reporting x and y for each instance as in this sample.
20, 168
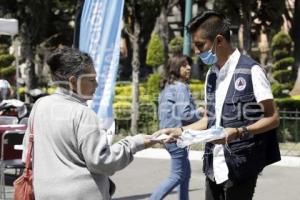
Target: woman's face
86, 84
185, 71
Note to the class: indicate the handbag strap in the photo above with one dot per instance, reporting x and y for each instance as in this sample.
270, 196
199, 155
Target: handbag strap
30, 147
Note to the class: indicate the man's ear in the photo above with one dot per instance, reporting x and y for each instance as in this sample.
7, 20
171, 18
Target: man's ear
219, 39
73, 83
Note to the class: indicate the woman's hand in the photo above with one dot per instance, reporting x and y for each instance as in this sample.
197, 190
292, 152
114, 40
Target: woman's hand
148, 142
173, 134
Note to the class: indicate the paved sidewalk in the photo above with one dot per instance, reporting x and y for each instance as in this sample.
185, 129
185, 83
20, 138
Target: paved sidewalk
137, 181
277, 182
286, 161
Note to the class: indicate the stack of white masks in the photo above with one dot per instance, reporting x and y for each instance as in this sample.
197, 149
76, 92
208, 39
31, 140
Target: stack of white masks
189, 137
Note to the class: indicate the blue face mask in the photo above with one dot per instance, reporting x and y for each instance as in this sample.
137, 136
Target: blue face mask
208, 57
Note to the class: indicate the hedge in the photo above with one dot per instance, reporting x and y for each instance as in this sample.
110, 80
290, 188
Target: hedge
288, 104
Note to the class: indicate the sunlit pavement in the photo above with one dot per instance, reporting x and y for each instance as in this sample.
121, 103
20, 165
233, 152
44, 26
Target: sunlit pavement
143, 175
277, 182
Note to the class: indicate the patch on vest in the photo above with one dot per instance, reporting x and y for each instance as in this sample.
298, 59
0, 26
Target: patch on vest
240, 84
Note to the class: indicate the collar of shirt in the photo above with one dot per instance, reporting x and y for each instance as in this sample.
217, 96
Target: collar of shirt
70, 95
228, 67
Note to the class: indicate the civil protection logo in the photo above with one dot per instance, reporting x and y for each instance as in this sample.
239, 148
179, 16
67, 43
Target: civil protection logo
240, 84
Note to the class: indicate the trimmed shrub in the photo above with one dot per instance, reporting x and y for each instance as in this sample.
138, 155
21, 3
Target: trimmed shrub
279, 54
281, 46
283, 76
281, 40
281, 90
6, 60
176, 45
11, 70
4, 49
124, 90
155, 52
197, 90
297, 97
122, 110
284, 63
153, 85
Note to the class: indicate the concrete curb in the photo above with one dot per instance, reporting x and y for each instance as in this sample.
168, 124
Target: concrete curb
157, 153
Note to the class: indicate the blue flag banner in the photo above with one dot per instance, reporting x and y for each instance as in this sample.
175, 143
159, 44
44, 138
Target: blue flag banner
100, 31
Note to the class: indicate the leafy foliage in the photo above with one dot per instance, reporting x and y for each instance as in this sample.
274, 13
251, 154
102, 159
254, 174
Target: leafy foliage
176, 45
153, 85
280, 53
281, 41
282, 69
6, 60
155, 53
283, 76
281, 90
284, 63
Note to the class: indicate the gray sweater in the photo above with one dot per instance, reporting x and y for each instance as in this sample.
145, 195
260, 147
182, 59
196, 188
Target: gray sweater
72, 159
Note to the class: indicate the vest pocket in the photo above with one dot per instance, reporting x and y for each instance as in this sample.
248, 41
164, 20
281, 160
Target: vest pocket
231, 111
245, 159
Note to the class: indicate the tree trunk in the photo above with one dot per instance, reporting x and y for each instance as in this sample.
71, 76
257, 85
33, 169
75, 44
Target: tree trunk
27, 50
163, 29
135, 78
246, 20
296, 37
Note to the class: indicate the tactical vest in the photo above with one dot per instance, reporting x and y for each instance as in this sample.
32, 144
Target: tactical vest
247, 157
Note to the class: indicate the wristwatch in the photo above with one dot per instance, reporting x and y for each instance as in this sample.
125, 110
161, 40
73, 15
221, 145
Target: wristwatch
245, 133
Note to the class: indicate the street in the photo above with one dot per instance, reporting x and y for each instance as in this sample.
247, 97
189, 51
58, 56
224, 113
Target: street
141, 177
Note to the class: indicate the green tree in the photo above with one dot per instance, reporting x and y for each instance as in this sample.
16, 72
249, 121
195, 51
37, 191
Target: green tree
40, 22
296, 38
253, 15
139, 23
155, 52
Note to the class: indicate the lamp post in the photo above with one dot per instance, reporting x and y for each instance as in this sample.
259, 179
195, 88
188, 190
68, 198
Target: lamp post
187, 18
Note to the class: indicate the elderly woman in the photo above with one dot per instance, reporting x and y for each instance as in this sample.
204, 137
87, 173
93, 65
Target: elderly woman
72, 158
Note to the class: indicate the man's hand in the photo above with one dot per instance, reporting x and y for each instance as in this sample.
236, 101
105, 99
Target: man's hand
231, 134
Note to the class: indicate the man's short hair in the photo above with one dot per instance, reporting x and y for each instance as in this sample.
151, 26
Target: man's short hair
211, 23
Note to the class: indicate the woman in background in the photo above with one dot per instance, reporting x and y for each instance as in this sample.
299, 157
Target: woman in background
176, 109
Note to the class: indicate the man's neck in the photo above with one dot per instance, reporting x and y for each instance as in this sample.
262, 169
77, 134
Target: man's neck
222, 59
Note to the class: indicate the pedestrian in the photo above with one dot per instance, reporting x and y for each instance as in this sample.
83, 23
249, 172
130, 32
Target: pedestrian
5, 89
176, 109
72, 158
238, 98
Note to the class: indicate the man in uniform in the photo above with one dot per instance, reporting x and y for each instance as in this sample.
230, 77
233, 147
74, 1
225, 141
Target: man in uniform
238, 98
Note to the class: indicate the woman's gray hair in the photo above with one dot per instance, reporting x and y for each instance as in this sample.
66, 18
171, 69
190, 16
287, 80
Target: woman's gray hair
65, 62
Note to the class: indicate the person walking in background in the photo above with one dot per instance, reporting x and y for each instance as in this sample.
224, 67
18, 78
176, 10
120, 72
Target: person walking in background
72, 158
238, 98
5, 89
176, 109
